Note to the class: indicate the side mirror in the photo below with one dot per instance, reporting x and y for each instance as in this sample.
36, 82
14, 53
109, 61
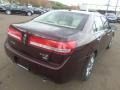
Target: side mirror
113, 27
109, 26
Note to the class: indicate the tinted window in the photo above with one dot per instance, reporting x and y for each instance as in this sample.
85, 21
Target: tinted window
62, 18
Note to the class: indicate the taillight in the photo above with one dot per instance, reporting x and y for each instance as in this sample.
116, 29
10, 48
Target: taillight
14, 33
60, 47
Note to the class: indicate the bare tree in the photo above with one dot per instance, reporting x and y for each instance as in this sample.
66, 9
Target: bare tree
116, 6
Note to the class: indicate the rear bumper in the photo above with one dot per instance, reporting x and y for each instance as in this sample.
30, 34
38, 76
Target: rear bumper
61, 73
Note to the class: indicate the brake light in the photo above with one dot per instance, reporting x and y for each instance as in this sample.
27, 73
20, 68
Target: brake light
14, 33
60, 47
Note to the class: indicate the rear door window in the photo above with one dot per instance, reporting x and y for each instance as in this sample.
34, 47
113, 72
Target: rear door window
98, 23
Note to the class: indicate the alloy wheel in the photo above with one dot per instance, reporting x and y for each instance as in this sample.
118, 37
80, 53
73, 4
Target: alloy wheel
8, 12
90, 66
29, 13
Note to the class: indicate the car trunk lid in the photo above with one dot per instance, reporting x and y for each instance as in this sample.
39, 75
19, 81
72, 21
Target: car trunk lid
45, 35
47, 31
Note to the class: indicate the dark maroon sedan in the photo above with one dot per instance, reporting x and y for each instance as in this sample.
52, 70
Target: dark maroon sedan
59, 44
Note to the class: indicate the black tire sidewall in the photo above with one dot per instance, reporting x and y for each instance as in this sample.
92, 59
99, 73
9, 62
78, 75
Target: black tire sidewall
109, 45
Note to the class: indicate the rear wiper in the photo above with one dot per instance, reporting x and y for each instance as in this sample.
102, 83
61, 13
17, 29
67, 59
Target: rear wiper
39, 21
48, 22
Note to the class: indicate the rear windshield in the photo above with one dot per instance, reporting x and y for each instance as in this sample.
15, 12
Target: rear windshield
63, 19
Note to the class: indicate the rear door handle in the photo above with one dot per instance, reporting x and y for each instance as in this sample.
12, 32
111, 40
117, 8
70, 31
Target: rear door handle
99, 38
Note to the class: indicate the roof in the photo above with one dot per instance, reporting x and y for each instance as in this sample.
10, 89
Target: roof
76, 11
82, 12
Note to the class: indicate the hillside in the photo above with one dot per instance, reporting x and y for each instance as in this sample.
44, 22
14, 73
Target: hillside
44, 3
57, 5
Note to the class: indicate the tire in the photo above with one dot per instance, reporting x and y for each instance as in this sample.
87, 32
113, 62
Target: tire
8, 12
29, 14
87, 71
109, 45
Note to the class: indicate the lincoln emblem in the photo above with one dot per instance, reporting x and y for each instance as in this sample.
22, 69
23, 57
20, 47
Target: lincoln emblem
24, 38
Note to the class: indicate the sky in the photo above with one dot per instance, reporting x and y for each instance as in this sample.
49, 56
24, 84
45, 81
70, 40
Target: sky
98, 2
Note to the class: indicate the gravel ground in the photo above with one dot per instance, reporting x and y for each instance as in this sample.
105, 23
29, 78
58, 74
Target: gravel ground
106, 75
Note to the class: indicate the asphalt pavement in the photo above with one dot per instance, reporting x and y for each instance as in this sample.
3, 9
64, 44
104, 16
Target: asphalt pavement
106, 75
